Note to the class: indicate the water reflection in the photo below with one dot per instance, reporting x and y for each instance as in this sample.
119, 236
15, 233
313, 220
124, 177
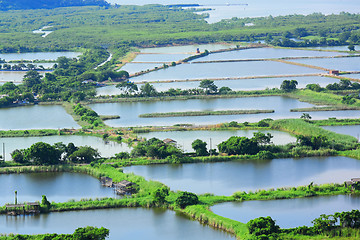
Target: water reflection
225, 178
288, 213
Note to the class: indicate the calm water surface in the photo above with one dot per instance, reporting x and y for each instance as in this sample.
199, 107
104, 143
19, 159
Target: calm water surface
58, 187
342, 64
223, 70
357, 76
13, 76
185, 138
124, 223
225, 178
132, 68
165, 58
105, 148
352, 130
36, 117
190, 49
336, 48
129, 111
263, 53
288, 213
236, 85
38, 55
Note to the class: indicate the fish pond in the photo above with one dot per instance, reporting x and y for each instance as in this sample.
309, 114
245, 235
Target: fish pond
288, 213
225, 178
189, 49
124, 223
58, 187
235, 85
264, 53
352, 130
342, 64
224, 70
164, 58
129, 111
36, 117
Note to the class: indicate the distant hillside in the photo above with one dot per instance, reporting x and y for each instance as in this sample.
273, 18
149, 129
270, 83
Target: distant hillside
36, 4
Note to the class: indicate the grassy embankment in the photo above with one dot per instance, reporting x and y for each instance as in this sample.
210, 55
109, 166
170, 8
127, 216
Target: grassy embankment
301, 127
321, 98
29, 133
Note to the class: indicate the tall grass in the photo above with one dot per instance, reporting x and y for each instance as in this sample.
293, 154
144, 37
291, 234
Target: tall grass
301, 127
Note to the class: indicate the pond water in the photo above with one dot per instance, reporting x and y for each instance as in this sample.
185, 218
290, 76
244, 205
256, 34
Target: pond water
191, 49
58, 187
236, 85
264, 53
224, 70
335, 48
41, 116
132, 68
129, 111
105, 148
352, 130
356, 76
256, 8
124, 223
165, 58
185, 138
342, 64
288, 213
38, 55
13, 76
225, 178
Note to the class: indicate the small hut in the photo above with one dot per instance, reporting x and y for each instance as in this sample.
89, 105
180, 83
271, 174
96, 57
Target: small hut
106, 181
28, 208
124, 187
33, 207
169, 141
334, 72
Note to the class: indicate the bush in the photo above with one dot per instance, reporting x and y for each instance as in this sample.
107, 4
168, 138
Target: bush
186, 199
262, 227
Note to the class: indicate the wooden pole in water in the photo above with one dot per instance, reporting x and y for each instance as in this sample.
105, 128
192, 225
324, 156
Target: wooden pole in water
4, 152
15, 197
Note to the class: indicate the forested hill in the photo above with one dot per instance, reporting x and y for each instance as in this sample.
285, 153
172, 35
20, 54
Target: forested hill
36, 4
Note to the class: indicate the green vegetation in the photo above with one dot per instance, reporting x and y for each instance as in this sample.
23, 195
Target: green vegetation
88, 115
186, 199
263, 228
41, 153
164, 25
301, 127
203, 113
30, 133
